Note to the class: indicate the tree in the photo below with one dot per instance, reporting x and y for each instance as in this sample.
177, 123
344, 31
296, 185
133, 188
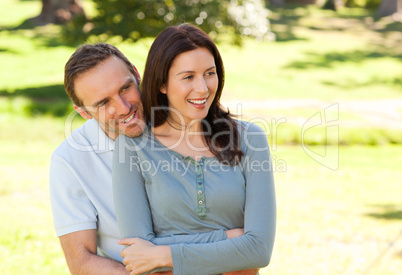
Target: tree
333, 4
137, 19
58, 11
389, 7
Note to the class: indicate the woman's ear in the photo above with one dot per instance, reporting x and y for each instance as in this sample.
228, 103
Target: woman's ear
82, 112
163, 89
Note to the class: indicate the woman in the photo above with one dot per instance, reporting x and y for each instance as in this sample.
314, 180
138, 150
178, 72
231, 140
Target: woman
195, 170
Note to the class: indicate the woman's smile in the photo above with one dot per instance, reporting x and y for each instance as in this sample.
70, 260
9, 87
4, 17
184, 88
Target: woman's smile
192, 85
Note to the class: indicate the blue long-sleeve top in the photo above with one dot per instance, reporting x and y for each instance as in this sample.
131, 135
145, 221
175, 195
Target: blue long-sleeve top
159, 193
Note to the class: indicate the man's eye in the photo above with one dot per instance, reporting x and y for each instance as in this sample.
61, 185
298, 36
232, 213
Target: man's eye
103, 103
126, 87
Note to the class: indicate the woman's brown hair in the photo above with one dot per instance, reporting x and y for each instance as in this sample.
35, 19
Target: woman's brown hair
220, 130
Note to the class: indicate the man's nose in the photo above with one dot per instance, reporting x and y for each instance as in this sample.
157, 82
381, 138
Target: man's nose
122, 106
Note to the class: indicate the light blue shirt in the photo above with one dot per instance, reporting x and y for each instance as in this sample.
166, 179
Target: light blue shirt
81, 187
174, 195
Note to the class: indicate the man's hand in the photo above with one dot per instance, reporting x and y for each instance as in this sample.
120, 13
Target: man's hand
142, 256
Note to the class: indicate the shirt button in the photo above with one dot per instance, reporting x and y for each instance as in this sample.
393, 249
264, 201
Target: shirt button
199, 183
199, 192
200, 202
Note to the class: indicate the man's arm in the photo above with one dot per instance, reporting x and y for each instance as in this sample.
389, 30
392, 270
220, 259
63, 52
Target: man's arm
80, 252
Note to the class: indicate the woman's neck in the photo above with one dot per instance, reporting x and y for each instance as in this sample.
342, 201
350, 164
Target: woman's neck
187, 141
170, 128
193, 126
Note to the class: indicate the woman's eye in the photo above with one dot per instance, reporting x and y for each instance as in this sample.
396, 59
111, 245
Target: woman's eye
188, 77
211, 73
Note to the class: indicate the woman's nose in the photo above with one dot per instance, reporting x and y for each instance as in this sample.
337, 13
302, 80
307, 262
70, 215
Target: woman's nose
201, 85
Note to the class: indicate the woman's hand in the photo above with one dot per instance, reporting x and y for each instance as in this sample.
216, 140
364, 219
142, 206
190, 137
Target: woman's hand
143, 256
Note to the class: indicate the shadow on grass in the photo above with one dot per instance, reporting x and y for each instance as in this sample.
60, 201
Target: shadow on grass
350, 84
49, 35
328, 60
47, 100
386, 212
284, 21
27, 24
391, 27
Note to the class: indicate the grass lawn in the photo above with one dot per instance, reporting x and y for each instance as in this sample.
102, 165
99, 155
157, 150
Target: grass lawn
339, 222
342, 221
329, 222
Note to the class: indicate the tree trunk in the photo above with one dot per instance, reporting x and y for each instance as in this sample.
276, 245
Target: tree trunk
333, 5
389, 7
58, 11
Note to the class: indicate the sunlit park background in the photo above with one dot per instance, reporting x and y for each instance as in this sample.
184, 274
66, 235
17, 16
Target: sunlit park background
325, 83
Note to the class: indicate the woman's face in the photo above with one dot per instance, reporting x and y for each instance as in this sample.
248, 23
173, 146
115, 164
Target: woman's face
192, 84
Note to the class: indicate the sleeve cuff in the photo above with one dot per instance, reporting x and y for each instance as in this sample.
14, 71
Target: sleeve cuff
74, 228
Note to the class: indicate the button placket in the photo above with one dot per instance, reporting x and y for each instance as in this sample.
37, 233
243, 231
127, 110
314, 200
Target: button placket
201, 210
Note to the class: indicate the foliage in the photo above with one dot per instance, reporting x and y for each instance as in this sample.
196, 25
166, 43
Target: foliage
369, 4
133, 20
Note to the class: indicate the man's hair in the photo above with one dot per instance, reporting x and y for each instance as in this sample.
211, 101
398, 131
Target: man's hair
84, 59
170, 43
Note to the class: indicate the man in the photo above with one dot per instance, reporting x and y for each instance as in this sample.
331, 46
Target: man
104, 88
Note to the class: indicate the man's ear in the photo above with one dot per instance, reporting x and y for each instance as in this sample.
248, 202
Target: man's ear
82, 112
137, 75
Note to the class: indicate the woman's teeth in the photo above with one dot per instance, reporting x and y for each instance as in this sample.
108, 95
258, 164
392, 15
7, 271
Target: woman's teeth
198, 102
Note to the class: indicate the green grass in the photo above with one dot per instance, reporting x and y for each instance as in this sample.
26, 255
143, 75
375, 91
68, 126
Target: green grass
327, 62
338, 222
329, 222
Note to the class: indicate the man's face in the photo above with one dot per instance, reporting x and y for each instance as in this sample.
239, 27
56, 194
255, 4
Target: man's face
110, 94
